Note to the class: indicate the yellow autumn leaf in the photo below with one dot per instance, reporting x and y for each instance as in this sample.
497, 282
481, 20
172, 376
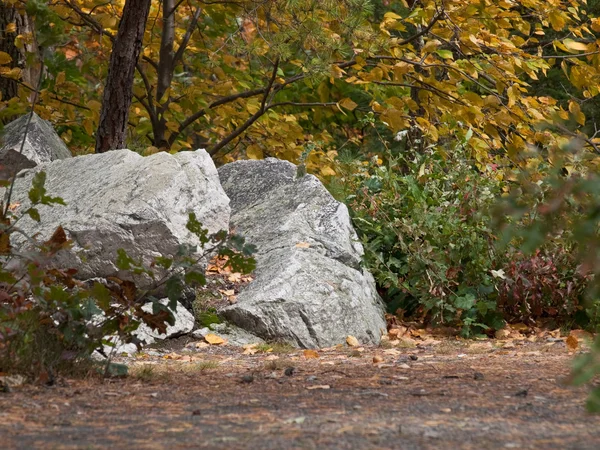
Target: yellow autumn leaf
5, 58
336, 72
557, 20
11, 27
60, 78
213, 339
327, 171
254, 152
13, 74
347, 103
310, 354
574, 45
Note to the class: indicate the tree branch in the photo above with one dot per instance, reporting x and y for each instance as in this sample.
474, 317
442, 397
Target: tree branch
263, 109
425, 30
186, 38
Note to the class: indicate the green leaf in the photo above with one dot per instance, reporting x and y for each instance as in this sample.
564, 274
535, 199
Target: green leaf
446, 54
593, 401
37, 190
174, 290
164, 262
193, 277
34, 214
124, 262
194, 226
102, 296
465, 302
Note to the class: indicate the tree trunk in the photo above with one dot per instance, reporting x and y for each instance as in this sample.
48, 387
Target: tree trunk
11, 15
118, 92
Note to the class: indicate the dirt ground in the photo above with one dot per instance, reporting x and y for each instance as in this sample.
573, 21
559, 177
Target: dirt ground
451, 395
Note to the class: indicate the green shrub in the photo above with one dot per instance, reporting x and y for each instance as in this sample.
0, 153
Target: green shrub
424, 223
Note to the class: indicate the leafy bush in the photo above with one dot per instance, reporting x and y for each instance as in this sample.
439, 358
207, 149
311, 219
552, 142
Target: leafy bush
553, 213
424, 224
51, 322
543, 286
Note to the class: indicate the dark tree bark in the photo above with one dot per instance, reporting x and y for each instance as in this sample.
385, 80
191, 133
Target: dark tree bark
118, 92
11, 15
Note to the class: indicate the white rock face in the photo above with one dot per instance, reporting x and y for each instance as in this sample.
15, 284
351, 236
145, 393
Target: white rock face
309, 287
184, 324
120, 199
42, 145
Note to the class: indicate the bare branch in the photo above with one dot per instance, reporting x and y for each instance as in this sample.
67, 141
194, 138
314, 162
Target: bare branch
425, 30
263, 109
186, 38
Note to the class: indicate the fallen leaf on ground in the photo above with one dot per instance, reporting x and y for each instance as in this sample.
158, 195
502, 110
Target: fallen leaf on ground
391, 351
519, 327
377, 359
310, 354
352, 341
235, 277
250, 349
173, 356
394, 333
582, 335
303, 245
298, 420
318, 386
502, 334
572, 343
227, 292
213, 339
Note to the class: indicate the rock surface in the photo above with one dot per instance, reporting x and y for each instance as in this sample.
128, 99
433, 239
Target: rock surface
120, 199
309, 287
184, 323
234, 335
42, 145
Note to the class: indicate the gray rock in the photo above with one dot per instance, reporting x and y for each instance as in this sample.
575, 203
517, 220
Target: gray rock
235, 336
200, 333
120, 199
42, 145
184, 323
309, 287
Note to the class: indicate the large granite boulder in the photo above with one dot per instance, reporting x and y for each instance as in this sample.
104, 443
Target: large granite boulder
309, 287
120, 199
42, 145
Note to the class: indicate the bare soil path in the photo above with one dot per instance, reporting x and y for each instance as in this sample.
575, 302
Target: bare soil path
450, 396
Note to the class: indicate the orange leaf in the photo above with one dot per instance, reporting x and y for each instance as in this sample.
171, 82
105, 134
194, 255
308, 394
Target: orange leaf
213, 339
310, 354
572, 343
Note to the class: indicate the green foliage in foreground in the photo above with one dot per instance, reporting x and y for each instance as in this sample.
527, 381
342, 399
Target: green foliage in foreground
565, 207
52, 323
